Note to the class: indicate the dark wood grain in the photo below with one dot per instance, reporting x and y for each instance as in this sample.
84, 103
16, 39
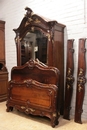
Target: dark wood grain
3, 69
33, 89
80, 81
54, 49
69, 79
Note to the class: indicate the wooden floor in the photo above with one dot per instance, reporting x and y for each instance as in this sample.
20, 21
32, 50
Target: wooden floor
19, 121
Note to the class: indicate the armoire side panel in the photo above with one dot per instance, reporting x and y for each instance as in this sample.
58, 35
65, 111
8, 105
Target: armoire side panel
3, 69
58, 61
2, 40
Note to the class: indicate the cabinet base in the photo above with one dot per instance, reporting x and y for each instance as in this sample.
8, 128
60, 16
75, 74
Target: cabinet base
3, 97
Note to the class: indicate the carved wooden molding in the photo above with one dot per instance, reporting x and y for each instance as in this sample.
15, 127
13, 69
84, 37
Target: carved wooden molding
81, 80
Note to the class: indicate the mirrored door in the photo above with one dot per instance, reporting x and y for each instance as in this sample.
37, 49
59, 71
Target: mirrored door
34, 45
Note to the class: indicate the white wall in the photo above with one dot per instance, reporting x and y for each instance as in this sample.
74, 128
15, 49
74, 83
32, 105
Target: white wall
72, 13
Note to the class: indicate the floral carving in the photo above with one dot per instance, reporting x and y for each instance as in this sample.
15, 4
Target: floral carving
81, 79
69, 78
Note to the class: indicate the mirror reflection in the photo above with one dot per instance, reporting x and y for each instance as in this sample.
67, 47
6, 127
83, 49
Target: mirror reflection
34, 45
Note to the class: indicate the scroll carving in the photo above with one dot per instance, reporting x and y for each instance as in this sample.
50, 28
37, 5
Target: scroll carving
29, 14
81, 80
69, 79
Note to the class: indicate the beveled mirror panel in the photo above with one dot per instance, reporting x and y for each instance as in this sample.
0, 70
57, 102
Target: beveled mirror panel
34, 45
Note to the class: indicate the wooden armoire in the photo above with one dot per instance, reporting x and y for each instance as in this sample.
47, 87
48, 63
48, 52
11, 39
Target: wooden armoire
39, 37
3, 69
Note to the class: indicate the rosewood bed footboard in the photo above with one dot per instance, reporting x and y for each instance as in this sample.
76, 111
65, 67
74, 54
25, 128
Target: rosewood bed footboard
33, 89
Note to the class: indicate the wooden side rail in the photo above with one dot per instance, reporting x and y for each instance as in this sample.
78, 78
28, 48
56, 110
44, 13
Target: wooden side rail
69, 79
80, 81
